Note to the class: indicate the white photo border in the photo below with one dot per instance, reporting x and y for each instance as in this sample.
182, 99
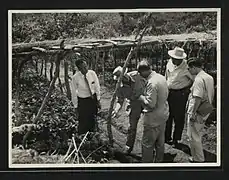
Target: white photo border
122, 165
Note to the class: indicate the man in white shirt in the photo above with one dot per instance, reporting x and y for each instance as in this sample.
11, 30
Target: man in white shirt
179, 81
132, 86
155, 113
201, 90
85, 90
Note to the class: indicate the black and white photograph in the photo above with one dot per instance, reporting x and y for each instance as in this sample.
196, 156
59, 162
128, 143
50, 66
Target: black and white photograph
114, 88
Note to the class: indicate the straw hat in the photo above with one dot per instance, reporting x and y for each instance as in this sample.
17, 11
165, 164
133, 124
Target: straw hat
177, 53
117, 71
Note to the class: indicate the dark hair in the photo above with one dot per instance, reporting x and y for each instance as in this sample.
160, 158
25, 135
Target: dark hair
143, 66
79, 62
196, 62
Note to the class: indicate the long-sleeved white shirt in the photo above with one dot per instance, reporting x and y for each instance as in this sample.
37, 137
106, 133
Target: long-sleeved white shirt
178, 77
79, 87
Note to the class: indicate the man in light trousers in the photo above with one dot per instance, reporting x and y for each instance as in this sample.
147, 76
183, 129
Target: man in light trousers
155, 113
201, 90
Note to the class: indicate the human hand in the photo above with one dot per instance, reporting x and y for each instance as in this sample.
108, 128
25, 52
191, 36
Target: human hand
114, 113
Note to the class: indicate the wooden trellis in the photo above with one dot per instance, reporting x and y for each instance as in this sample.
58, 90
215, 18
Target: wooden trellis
95, 53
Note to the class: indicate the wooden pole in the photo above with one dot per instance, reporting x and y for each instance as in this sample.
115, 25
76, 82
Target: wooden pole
42, 67
46, 67
51, 71
60, 84
96, 61
109, 130
66, 79
51, 87
18, 74
103, 67
40, 111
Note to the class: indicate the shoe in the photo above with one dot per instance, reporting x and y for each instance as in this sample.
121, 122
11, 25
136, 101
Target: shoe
169, 142
191, 160
175, 143
127, 150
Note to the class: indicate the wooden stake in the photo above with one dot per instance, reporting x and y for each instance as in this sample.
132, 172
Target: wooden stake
51, 71
40, 111
109, 130
45, 67
66, 79
103, 67
42, 66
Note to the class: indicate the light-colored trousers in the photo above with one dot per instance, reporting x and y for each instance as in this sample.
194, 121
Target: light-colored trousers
153, 138
194, 132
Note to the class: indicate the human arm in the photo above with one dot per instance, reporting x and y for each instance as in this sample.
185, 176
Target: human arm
197, 96
120, 101
150, 97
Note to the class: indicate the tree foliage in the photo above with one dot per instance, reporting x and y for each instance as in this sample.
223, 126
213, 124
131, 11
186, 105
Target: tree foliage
51, 26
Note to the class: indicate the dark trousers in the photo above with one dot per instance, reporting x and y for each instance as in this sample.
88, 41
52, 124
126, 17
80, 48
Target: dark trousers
177, 100
134, 117
87, 108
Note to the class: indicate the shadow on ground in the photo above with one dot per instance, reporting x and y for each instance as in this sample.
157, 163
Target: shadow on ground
209, 157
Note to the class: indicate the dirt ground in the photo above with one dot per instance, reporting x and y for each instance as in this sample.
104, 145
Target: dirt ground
179, 154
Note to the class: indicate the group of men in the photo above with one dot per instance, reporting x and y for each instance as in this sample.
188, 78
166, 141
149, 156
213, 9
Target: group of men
159, 100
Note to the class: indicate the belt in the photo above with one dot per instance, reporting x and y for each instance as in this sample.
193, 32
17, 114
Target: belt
177, 90
90, 97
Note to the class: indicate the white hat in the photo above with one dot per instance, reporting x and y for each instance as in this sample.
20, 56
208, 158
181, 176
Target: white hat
118, 70
177, 53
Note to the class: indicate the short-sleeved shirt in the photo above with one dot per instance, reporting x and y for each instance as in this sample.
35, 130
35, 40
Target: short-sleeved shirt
135, 89
203, 87
178, 77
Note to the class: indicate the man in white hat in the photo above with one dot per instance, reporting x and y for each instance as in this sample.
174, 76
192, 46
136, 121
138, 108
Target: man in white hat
179, 81
131, 87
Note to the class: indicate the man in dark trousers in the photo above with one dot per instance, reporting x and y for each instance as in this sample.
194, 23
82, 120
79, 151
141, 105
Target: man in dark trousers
85, 90
179, 81
131, 87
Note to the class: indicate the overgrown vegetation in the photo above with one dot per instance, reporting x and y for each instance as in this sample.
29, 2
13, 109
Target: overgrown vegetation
31, 27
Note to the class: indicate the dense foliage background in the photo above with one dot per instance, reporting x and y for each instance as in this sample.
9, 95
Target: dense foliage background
31, 27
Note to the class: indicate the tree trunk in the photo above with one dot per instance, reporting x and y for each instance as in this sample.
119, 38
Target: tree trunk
66, 80
51, 87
